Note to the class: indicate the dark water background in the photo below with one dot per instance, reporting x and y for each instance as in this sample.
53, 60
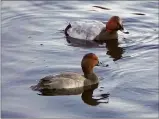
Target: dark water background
33, 46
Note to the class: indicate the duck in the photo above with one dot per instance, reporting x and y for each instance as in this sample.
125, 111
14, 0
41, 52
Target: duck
94, 32
70, 80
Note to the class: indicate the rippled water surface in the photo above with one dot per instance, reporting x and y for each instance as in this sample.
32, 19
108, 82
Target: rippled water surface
34, 45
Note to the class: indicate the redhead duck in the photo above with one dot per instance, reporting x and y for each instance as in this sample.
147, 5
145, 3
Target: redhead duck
95, 31
70, 80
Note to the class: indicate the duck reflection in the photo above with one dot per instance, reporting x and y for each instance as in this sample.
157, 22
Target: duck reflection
87, 94
114, 50
87, 97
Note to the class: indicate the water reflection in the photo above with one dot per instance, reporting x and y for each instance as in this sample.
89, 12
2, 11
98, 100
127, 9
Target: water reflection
114, 50
112, 46
87, 94
81, 42
87, 97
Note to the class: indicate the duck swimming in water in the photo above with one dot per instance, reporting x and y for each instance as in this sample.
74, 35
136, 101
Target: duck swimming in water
94, 31
70, 80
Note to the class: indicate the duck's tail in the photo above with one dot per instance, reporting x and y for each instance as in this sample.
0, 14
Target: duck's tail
66, 29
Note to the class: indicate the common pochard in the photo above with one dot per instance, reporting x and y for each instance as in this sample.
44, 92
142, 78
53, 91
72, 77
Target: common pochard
70, 80
96, 31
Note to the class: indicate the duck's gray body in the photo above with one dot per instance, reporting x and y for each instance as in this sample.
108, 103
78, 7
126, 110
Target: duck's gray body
96, 41
66, 81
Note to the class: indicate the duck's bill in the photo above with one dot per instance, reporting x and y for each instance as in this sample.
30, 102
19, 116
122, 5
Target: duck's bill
102, 64
124, 31
121, 28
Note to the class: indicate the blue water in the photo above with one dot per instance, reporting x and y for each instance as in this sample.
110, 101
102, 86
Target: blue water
33, 46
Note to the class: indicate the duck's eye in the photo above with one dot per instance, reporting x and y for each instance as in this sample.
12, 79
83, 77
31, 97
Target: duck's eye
95, 59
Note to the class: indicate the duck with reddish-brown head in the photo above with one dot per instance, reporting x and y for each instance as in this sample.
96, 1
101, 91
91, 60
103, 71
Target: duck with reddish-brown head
94, 32
69, 80
110, 31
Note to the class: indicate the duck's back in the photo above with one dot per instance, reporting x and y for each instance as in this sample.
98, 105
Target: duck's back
85, 29
64, 80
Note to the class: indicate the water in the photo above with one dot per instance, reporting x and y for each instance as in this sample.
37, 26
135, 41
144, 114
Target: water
33, 46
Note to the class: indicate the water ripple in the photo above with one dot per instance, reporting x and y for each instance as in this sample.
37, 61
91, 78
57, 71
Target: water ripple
33, 47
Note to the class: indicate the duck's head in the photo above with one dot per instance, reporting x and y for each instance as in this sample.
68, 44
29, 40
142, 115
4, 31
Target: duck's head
114, 24
89, 61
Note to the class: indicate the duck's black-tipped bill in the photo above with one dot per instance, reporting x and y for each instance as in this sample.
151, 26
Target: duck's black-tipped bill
102, 64
124, 31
